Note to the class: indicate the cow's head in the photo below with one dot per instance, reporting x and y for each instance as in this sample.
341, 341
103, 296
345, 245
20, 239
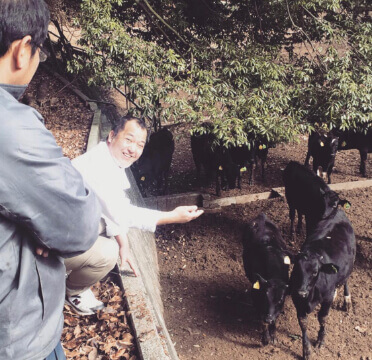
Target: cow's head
331, 201
308, 266
270, 296
262, 231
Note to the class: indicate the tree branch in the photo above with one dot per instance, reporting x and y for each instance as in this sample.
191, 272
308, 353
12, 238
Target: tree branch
161, 20
303, 32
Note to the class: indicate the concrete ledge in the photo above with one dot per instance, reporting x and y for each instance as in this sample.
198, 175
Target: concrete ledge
95, 130
151, 341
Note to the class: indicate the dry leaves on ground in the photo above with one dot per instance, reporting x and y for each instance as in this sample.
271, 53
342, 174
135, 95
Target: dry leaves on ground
65, 114
104, 336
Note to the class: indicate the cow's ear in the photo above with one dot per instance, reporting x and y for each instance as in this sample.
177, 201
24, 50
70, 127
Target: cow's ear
329, 268
260, 281
290, 254
345, 204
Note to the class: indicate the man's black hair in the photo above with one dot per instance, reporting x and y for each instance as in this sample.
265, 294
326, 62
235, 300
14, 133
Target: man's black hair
123, 120
19, 18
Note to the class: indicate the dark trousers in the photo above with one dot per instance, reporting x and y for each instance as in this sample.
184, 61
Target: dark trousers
57, 353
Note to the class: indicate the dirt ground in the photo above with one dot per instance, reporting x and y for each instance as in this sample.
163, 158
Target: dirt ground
207, 297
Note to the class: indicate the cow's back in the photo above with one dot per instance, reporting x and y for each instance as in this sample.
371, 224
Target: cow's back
302, 188
336, 239
349, 139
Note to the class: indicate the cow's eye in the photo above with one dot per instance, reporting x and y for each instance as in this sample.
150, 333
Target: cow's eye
315, 273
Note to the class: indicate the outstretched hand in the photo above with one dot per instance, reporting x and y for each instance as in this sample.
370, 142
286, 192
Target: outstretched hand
184, 214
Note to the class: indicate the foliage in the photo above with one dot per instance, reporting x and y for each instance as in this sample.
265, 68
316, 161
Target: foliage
270, 68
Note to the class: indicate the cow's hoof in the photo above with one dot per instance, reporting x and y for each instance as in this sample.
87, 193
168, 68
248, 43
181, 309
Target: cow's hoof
273, 341
319, 344
347, 304
265, 340
307, 353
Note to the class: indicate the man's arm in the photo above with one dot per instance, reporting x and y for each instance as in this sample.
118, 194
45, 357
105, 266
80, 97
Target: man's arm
41, 191
124, 252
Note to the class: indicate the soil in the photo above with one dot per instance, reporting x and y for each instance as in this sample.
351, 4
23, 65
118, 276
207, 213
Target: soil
207, 297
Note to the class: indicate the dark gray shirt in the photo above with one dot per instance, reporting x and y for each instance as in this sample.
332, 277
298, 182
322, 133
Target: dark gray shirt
43, 202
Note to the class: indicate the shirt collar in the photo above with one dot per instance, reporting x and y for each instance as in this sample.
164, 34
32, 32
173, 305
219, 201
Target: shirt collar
15, 90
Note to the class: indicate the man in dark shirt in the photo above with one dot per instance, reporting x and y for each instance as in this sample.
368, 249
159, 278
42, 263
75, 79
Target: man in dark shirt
46, 212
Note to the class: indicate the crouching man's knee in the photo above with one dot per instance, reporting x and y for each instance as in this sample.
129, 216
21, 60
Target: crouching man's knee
108, 254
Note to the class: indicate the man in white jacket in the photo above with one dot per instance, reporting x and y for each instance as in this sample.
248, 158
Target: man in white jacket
103, 168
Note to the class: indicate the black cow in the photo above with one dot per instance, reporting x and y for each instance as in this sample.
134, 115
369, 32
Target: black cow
309, 195
154, 164
246, 157
349, 139
325, 262
215, 159
266, 264
323, 148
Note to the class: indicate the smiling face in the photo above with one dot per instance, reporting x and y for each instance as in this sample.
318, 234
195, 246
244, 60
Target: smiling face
127, 146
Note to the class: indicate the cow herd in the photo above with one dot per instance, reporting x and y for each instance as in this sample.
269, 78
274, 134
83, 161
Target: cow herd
227, 165
323, 146
324, 262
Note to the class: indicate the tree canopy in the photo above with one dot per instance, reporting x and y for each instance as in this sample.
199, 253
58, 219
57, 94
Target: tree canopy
270, 68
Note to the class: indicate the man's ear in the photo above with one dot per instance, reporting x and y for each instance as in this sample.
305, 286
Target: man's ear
22, 52
111, 135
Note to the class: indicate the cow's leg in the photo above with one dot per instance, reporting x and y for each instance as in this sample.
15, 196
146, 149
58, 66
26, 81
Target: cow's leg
307, 158
159, 183
251, 173
265, 333
198, 172
272, 331
322, 317
363, 159
347, 298
165, 182
306, 346
335, 295
329, 172
218, 185
292, 213
224, 183
263, 170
